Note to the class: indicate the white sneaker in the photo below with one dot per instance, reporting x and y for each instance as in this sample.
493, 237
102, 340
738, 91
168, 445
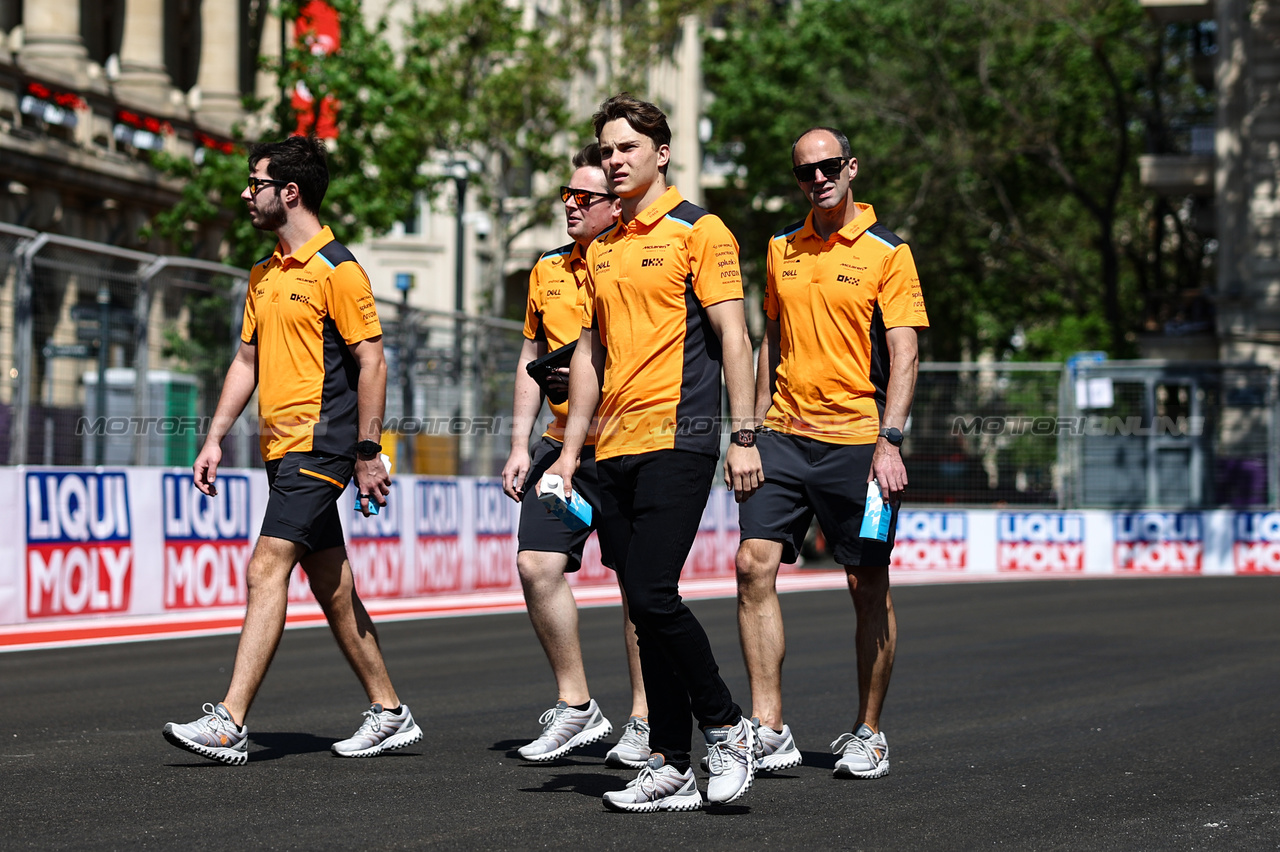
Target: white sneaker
632, 750
777, 749
213, 735
381, 731
564, 729
658, 787
731, 761
864, 754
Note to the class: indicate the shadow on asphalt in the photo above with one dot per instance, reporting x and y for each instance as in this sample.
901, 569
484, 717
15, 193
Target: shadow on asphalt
584, 784
820, 759
277, 745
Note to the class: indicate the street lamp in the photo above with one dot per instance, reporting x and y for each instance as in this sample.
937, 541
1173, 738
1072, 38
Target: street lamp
460, 170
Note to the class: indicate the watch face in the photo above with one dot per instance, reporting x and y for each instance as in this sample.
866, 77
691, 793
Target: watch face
744, 438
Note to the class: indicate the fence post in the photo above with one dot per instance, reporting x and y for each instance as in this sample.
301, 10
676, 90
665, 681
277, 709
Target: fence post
24, 353
142, 355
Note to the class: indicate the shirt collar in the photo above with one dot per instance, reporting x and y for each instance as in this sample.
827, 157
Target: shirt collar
865, 219
665, 203
303, 254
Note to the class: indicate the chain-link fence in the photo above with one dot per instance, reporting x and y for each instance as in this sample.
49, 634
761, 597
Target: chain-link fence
977, 434
117, 357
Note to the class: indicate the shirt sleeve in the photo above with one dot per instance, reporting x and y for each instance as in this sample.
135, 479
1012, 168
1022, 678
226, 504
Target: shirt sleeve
533, 329
901, 300
349, 300
713, 260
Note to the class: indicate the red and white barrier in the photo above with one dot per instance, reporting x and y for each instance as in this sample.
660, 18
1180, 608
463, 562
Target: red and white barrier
112, 554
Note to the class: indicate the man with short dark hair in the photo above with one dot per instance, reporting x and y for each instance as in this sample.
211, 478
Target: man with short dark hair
312, 346
834, 385
661, 319
548, 549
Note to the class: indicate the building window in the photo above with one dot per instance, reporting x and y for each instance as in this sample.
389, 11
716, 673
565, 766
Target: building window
182, 41
101, 27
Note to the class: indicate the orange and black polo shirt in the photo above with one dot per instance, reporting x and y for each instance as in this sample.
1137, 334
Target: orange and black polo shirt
553, 313
833, 301
649, 282
302, 312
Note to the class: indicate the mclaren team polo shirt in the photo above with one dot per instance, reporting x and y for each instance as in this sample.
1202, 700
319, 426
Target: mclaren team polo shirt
648, 284
302, 312
554, 313
833, 301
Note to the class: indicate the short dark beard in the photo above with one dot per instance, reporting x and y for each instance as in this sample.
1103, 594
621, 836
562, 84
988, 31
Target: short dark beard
271, 217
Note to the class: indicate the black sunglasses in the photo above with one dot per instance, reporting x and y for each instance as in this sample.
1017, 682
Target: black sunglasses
830, 168
582, 196
256, 184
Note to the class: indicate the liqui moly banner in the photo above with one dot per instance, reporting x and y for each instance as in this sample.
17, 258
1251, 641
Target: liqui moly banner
1158, 542
206, 542
376, 548
1040, 542
1256, 549
931, 541
437, 519
79, 553
144, 542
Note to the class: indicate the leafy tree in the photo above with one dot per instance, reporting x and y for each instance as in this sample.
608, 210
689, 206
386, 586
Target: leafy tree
999, 138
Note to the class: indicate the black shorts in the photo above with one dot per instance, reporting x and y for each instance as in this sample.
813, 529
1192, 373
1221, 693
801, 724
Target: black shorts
303, 506
544, 532
804, 477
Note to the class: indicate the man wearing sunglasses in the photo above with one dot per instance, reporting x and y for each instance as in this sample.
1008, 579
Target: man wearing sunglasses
834, 384
662, 318
548, 549
312, 347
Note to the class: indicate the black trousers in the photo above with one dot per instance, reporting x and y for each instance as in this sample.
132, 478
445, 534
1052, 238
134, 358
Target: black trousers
651, 505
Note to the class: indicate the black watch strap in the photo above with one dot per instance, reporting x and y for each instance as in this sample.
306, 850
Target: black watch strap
368, 449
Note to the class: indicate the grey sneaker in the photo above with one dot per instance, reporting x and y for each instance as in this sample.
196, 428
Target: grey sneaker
777, 749
213, 735
658, 787
564, 729
632, 750
731, 761
381, 731
864, 754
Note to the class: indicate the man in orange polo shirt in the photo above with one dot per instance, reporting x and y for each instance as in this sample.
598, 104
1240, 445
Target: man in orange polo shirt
834, 384
312, 347
662, 318
548, 549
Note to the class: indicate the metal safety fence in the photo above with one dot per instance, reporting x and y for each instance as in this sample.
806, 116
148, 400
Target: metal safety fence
116, 357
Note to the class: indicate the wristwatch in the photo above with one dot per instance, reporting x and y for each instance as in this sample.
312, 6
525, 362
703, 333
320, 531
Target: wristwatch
368, 450
892, 434
743, 438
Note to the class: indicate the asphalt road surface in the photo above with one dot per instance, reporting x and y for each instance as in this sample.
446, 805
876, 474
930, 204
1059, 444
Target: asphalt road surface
1073, 714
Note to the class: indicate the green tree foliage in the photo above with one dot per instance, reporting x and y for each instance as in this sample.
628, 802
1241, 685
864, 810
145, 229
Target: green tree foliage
999, 138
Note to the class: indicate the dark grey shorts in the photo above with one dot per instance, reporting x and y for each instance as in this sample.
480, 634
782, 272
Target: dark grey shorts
544, 532
303, 504
803, 478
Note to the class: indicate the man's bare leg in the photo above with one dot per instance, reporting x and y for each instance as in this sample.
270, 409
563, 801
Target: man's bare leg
329, 572
764, 644
554, 614
268, 597
876, 640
